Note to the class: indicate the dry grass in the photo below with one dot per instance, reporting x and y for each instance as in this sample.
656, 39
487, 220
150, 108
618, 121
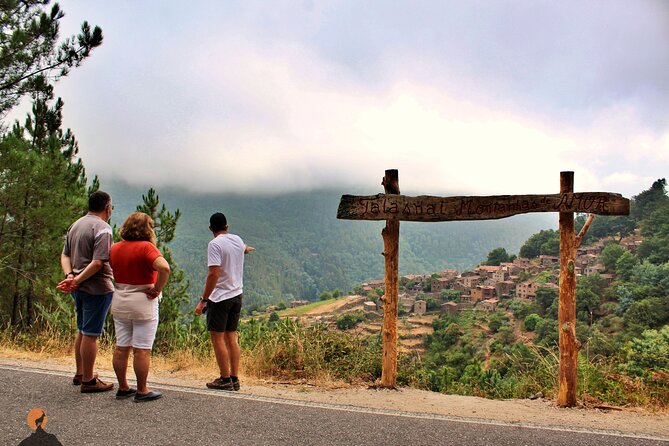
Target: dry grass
181, 364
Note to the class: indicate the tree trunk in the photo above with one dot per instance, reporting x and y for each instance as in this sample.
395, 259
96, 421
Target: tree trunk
569, 345
16, 302
30, 308
391, 235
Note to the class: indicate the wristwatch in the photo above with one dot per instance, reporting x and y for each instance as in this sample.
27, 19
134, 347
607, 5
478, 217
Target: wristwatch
204, 299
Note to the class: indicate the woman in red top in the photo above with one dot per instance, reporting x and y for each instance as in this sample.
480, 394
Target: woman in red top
140, 273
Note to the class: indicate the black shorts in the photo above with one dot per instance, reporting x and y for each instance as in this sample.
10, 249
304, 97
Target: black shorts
224, 315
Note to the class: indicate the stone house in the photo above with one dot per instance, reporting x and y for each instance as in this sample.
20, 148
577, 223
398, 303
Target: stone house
500, 275
406, 303
449, 274
592, 269
504, 288
420, 307
586, 260
608, 278
534, 269
511, 268
526, 290
470, 281
522, 262
449, 307
417, 278
631, 243
599, 245
377, 283
299, 303
407, 278
369, 306
596, 248
549, 261
441, 283
488, 305
482, 292
548, 285
459, 286
486, 271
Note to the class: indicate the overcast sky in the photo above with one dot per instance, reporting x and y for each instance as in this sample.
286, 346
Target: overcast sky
467, 97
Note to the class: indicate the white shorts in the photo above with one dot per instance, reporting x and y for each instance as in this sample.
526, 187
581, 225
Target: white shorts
135, 333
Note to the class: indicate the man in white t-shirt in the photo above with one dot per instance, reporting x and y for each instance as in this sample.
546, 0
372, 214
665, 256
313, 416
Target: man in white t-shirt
222, 299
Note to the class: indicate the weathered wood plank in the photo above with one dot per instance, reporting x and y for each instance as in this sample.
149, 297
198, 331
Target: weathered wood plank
432, 209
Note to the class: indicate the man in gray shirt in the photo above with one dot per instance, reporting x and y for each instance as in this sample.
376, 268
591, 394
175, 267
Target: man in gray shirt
88, 277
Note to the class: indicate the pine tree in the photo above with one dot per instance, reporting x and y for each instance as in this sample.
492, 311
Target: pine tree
30, 57
42, 190
175, 294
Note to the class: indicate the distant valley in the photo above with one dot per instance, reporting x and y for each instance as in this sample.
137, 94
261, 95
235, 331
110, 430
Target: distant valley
303, 250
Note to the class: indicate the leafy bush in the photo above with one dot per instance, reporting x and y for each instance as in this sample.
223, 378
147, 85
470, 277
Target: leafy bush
349, 320
530, 321
648, 355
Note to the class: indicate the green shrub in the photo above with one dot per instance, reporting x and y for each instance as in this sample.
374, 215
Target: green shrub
530, 321
349, 320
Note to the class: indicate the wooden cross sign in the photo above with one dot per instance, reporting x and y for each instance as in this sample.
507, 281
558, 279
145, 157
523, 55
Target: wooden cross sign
394, 207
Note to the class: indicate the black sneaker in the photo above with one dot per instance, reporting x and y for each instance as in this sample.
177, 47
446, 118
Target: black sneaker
151, 396
235, 385
123, 394
219, 384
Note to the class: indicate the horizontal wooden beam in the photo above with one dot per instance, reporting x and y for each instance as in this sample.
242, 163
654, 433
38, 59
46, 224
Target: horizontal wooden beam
428, 208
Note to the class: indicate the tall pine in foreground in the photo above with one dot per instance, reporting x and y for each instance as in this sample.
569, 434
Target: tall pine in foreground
42, 183
42, 190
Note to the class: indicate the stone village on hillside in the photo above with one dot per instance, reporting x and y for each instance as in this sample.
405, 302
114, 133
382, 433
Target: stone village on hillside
483, 287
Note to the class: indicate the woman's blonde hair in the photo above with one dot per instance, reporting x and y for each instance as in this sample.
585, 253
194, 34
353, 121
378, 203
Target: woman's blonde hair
138, 227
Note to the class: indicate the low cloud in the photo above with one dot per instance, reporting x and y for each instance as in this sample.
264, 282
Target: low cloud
275, 111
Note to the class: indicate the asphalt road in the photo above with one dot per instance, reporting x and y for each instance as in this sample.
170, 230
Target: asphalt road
189, 416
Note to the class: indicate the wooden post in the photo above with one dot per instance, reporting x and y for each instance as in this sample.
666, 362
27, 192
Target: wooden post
569, 345
391, 236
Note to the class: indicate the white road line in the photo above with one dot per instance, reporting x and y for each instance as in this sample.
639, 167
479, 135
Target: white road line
357, 409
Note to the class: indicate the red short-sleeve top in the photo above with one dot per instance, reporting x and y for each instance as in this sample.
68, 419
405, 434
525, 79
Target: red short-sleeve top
132, 262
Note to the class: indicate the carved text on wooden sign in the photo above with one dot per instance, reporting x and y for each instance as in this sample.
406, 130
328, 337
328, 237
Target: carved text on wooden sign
428, 208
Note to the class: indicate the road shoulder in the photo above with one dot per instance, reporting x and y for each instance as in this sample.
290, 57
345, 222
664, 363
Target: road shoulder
405, 401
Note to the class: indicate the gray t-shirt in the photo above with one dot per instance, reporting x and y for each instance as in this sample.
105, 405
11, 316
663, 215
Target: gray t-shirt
90, 238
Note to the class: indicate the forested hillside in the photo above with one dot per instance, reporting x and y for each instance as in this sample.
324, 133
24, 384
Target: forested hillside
302, 249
